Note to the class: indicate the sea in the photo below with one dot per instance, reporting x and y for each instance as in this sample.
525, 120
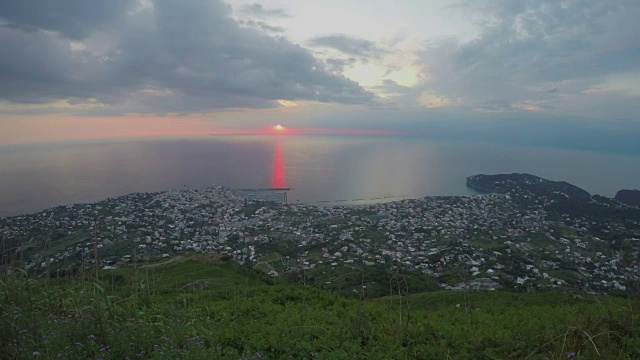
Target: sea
318, 169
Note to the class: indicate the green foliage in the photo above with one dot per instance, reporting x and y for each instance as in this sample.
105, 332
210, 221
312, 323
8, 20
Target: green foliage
197, 309
250, 209
368, 282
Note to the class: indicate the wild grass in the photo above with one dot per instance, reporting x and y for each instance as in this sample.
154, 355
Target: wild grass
196, 309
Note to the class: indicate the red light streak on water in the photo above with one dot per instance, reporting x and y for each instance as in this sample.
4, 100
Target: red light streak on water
278, 176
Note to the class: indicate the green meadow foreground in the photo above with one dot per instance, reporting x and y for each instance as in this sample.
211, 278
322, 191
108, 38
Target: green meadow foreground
198, 307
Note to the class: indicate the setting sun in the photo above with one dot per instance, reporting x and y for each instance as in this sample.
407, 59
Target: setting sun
279, 128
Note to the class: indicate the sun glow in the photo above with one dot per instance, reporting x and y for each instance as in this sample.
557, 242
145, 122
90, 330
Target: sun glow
279, 128
287, 103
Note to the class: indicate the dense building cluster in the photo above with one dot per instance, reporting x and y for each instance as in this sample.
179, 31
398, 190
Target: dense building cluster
519, 237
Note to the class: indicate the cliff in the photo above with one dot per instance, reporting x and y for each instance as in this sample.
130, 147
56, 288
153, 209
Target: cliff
629, 197
534, 185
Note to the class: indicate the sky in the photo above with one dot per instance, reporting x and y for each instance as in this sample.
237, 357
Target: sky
534, 72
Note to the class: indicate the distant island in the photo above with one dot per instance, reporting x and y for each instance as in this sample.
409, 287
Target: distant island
505, 183
629, 197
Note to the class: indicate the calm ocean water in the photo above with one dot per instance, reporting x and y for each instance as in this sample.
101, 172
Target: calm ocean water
319, 168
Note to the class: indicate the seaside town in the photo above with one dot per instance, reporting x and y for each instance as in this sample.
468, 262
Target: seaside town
525, 232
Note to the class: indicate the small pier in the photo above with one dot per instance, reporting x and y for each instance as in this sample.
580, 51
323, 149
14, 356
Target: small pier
276, 195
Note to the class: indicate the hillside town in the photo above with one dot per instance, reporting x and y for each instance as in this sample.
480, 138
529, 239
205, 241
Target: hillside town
516, 237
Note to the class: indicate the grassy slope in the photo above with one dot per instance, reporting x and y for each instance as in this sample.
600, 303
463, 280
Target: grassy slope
235, 312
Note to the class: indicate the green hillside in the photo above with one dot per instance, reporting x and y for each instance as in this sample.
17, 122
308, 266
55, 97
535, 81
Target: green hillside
196, 307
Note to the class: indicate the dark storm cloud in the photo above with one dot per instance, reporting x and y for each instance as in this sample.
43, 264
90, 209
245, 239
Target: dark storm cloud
72, 18
538, 50
260, 11
172, 56
30, 61
348, 45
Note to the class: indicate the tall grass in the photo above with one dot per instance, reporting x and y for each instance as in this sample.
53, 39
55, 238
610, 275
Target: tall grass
235, 312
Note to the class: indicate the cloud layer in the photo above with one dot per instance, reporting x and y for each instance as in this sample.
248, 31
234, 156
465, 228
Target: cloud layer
154, 56
258, 10
539, 55
348, 45
564, 58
